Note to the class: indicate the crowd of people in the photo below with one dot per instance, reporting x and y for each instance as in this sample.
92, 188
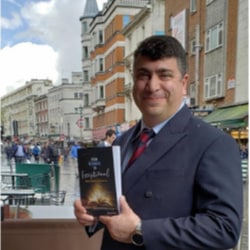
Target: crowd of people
49, 151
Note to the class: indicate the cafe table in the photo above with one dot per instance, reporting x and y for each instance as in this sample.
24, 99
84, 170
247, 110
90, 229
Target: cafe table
18, 194
47, 227
13, 176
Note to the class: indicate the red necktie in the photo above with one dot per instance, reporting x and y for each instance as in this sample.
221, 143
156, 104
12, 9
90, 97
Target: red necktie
144, 137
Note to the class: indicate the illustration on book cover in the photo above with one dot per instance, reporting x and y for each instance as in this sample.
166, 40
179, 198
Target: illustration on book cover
98, 182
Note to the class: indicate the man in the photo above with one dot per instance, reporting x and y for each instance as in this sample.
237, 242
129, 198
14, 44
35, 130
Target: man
185, 190
73, 154
36, 152
19, 152
53, 152
109, 138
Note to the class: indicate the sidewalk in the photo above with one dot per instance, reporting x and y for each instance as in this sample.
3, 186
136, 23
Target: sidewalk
69, 182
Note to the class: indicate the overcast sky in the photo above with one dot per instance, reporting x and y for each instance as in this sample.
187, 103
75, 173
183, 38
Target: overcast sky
40, 40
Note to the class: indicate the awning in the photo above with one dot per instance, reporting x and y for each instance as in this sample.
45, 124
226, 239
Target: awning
229, 117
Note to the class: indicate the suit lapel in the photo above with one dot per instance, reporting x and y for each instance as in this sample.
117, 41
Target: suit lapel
170, 134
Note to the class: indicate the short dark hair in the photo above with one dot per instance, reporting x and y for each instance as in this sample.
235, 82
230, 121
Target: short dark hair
162, 46
109, 133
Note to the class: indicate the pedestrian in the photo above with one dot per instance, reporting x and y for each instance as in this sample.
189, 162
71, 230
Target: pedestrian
53, 152
73, 153
36, 151
185, 190
8, 151
243, 151
110, 136
45, 152
19, 152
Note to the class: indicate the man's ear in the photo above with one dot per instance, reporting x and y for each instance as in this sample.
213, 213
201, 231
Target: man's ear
185, 83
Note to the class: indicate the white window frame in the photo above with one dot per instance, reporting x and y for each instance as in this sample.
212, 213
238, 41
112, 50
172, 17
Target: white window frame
100, 65
86, 122
86, 100
192, 46
213, 87
101, 91
193, 6
101, 36
85, 52
192, 90
85, 75
214, 37
84, 27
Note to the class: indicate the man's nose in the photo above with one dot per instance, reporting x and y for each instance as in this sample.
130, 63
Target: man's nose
153, 83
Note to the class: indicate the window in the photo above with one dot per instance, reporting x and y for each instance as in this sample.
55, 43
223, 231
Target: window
125, 20
192, 46
214, 37
171, 21
192, 90
159, 32
87, 122
84, 27
192, 6
86, 100
78, 95
100, 36
213, 86
101, 67
85, 52
101, 93
85, 76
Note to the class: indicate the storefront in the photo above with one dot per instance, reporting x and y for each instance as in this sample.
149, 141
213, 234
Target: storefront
232, 119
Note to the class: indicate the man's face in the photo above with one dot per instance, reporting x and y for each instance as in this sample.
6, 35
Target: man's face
158, 88
111, 138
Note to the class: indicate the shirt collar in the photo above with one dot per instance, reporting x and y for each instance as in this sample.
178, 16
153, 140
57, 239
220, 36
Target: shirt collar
159, 126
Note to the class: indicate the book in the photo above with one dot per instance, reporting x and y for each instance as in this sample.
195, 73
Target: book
100, 179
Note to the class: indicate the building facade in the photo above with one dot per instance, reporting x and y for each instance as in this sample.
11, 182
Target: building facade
65, 109
105, 53
18, 108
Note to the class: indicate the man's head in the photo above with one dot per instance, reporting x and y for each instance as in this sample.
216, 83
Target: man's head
110, 136
159, 47
160, 78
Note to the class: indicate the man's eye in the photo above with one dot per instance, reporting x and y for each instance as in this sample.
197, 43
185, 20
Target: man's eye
142, 76
165, 76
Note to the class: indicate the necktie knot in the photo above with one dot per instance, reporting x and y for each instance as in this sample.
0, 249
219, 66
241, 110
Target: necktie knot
145, 135
143, 139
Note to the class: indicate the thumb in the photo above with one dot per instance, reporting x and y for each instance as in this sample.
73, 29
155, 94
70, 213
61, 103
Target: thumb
125, 208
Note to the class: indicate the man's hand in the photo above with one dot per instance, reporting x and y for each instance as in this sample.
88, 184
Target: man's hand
121, 226
82, 216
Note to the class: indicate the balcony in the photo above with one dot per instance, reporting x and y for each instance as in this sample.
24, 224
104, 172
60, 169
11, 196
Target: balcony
99, 105
128, 89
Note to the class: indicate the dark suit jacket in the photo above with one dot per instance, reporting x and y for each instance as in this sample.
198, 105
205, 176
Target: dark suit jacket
186, 187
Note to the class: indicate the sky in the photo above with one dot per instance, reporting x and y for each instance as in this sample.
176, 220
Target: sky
39, 40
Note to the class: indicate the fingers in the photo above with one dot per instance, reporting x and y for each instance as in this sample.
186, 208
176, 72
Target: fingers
81, 214
78, 207
125, 208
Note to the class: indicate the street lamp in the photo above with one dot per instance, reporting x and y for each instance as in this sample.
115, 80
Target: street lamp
79, 111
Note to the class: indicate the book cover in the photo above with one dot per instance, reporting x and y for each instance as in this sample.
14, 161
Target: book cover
100, 179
